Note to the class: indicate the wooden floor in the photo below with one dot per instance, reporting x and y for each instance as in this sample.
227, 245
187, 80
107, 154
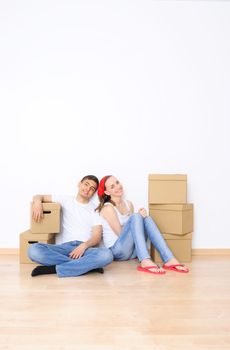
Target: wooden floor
122, 309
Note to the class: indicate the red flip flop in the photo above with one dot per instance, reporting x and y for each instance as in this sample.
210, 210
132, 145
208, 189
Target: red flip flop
174, 268
147, 268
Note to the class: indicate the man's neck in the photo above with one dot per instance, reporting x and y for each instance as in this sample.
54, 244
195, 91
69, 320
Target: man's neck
81, 199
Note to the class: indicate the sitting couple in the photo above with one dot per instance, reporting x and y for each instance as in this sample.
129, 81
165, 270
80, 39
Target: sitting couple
82, 227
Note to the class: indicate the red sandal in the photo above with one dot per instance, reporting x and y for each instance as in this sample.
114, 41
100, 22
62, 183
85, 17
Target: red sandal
174, 268
147, 268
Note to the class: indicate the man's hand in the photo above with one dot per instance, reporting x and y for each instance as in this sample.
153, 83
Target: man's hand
78, 252
37, 211
143, 212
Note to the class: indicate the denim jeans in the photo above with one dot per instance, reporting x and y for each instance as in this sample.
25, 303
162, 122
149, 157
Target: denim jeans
58, 254
132, 240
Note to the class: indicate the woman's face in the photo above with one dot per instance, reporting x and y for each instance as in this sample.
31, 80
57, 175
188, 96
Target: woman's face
113, 187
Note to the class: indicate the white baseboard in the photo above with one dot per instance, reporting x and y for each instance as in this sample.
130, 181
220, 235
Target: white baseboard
211, 251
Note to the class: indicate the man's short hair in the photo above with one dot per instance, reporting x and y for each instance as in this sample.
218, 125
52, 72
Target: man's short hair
91, 177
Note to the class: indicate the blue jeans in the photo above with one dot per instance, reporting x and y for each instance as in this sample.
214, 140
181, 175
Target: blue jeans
132, 240
58, 254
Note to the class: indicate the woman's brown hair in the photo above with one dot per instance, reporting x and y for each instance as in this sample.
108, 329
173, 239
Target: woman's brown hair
104, 198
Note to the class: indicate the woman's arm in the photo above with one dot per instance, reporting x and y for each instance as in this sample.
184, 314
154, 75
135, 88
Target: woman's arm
109, 214
131, 207
143, 212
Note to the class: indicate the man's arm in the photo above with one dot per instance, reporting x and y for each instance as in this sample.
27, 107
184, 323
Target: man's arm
93, 241
37, 208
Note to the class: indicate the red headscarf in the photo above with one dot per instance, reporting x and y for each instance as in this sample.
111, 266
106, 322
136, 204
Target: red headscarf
101, 187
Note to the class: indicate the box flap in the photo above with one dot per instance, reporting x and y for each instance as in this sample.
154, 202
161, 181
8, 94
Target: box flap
187, 235
167, 177
36, 236
50, 206
176, 207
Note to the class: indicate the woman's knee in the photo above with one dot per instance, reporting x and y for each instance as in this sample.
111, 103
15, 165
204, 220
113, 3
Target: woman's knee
136, 217
106, 256
121, 254
103, 256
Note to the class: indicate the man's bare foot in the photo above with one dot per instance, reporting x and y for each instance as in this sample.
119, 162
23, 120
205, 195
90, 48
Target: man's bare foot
174, 261
149, 262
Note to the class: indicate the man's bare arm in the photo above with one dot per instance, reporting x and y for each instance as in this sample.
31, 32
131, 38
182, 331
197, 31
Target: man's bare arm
93, 241
37, 208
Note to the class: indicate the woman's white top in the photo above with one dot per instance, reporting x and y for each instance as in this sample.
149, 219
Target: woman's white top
109, 236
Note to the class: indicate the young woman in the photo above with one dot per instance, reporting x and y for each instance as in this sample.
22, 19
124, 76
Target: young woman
125, 233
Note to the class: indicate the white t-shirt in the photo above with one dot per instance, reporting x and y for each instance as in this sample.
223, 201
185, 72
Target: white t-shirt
77, 219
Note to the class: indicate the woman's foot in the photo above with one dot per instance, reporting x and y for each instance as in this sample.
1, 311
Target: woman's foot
146, 263
176, 266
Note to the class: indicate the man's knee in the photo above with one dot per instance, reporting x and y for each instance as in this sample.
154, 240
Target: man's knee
35, 251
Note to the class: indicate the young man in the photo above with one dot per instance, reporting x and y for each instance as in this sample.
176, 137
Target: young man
80, 231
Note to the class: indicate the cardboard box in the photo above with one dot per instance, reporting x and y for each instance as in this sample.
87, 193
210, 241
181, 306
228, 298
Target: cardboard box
51, 220
167, 189
172, 218
180, 245
27, 238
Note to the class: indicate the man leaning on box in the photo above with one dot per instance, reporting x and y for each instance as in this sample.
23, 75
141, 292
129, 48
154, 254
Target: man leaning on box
80, 231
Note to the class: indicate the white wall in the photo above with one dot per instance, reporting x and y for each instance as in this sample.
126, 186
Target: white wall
125, 87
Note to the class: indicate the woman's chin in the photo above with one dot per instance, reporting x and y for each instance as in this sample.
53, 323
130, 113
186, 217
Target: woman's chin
119, 194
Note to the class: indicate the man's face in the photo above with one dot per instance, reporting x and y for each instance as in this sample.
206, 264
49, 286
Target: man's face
87, 188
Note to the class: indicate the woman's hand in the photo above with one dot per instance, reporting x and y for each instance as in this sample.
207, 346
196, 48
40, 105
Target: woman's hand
143, 212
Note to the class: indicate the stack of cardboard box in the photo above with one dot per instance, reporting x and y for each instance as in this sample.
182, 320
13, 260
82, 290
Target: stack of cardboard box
42, 232
173, 215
